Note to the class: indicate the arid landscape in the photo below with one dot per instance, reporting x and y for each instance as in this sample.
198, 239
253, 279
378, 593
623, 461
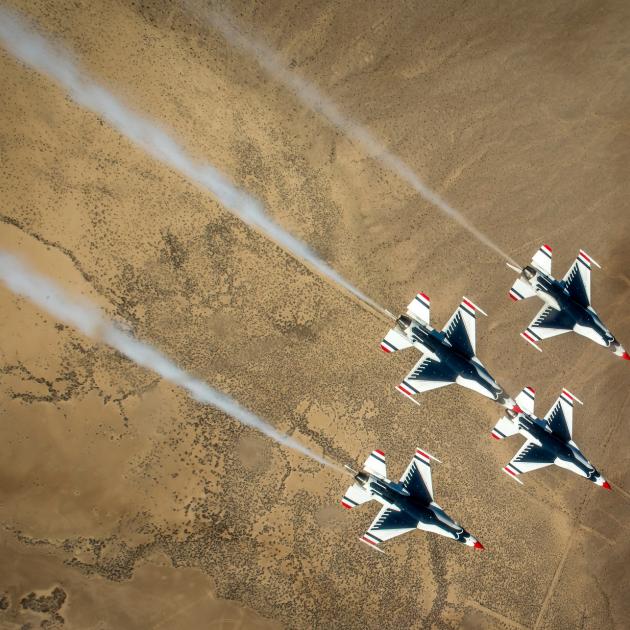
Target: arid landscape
124, 503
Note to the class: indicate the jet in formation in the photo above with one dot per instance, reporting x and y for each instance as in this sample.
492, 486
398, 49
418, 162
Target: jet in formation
407, 504
567, 302
548, 440
449, 356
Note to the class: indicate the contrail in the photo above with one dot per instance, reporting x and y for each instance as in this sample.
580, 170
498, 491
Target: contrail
89, 320
32, 49
316, 101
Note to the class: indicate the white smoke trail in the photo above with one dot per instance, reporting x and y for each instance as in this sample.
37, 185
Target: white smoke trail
89, 320
32, 49
316, 101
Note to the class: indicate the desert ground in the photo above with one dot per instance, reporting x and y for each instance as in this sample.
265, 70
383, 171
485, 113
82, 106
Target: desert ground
124, 503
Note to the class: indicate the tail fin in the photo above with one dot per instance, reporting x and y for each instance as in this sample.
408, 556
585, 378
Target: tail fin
504, 428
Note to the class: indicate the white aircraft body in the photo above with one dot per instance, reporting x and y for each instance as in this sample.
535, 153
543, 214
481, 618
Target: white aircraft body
567, 302
407, 504
548, 440
448, 356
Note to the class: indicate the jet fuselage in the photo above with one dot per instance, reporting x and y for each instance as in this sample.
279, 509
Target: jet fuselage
465, 371
564, 454
585, 320
429, 514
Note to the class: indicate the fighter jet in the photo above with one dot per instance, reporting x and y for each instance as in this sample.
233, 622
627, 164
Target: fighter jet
567, 302
548, 441
448, 355
407, 505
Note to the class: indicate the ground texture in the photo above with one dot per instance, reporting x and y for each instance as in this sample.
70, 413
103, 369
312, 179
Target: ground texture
123, 504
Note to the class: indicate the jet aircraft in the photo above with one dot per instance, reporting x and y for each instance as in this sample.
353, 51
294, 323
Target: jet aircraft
449, 356
567, 302
548, 441
407, 504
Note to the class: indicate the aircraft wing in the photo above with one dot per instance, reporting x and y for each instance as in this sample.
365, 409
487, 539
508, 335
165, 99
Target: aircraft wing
388, 524
578, 279
425, 375
460, 330
548, 322
417, 478
560, 416
529, 457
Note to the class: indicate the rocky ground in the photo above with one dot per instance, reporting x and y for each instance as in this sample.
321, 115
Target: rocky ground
123, 503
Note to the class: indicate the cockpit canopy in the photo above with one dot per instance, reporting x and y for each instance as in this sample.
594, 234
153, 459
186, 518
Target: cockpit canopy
404, 321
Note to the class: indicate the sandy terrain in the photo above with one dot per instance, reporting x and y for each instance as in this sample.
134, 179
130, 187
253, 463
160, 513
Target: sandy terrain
123, 503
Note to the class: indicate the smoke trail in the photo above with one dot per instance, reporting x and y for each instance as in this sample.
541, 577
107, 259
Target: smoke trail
89, 320
316, 101
33, 50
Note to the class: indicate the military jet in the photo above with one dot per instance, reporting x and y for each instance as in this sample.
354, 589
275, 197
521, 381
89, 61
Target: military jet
448, 355
567, 302
407, 504
548, 441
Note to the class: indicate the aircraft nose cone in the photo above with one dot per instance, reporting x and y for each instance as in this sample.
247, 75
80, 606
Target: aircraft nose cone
478, 545
625, 356
606, 485
517, 409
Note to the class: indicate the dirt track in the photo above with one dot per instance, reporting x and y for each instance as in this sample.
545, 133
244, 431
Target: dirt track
145, 508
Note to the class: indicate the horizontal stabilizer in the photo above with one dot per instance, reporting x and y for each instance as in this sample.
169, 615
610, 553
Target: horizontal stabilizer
505, 427
375, 464
355, 495
420, 308
542, 259
395, 340
525, 400
521, 290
